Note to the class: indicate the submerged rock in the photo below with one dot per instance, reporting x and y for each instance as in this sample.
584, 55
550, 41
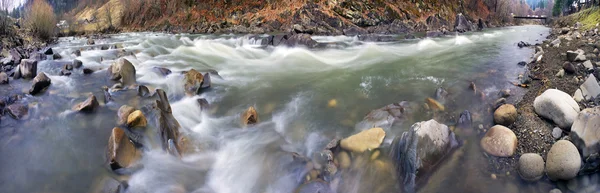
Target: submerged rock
87, 106
434, 104
122, 153
499, 141
17, 111
28, 68
193, 82
77, 63
563, 161
123, 114
557, 106
465, 121
162, 71
505, 115
531, 166
363, 141
250, 117
387, 116
40, 83
136, 119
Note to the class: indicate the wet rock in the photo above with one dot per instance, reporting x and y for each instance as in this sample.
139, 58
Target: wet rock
77, 53
522, 44
168, 125
136, 119
499, 141
65, 72
504, 93
300, 40
90, 41
569, 68
365, 140
462, 24
56, 56
17, 111
68, 67
206, 82
87, 106
40, 83
531, 167
315, 186
193, 82
77, 63
557, 106
104, 47
465, 121
107, 97
590, 88
498, 103
122, 70
204, 105
144, 91
249, 117
3, 78
343, 159
585, 133
123, 114
505, 115
522, 63
28, 68
557, 133
162, 71
563, 161
433, 104
121, 153
87, 71
387, 116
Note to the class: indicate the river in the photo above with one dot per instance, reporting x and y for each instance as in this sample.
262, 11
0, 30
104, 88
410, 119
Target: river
57, 150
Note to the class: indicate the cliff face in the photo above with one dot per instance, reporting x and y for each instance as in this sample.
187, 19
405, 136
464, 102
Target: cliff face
328, 17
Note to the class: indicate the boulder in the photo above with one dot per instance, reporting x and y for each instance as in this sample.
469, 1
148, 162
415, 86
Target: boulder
505, 115
77, 63
585, 132
206, 82
17, 111
531, 166
590, 88
249, 117
569, 68
28, 68
365, 140
3, 78
40, 82
461, 24
87, 71
499, 141
121, 153
563, 161
87, 106
136, 119
122, 70
193, 82
557, 106
123, 114
56, 56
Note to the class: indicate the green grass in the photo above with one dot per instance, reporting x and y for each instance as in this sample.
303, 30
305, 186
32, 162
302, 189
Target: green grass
589, 17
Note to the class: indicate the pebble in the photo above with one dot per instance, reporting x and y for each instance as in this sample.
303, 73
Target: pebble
494, 176
556, 133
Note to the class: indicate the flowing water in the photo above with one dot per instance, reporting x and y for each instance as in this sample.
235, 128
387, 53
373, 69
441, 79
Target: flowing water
57, 150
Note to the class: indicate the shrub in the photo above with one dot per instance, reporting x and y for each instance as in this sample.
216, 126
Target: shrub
40, 20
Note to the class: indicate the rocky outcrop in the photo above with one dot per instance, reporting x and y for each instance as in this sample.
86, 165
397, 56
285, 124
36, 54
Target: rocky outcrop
40, 83
499, 141
563, 161
365, 140
88, 106
121, 152
531, 167
557, 106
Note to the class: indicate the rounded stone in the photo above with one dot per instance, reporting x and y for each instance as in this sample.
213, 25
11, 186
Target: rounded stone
555, 191
343, 160
136, 119
563, 161
499, 141
505, 115
531, 167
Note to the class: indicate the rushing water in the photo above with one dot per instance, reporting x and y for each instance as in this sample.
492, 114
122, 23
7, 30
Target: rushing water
58, 150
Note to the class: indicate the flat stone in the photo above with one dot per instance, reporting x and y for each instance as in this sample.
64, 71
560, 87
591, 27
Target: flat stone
590, 88
363, 141
136, 119
531, 166
499, 141
557, 106
563, 161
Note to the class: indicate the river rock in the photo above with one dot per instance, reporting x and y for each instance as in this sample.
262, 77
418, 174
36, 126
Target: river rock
499, 102
87, 71
3, 78
557, 106
569, 68
365, 140
77, 63
87, 106
90, 41
465, 120
136, 119
590, 88
193, 82
28, 68
162, 71
585, 132
68, 67
441, 94
563, 161
434, 104
300, 40
77, 53
557, 132
588, 65
388, 116
168, 125
203, 103
206, 82
531, 166
122, 70
17, 111
121, 153
65, 72
499, 141
249, 117
40, 82
555, 43
462, 24
343, 159
505, 115
123, 114
314, 186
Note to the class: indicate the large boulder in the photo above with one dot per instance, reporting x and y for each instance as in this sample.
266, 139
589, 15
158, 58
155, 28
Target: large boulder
193, 82
563, 161
249, 117
28, 68
365, 140
121, 153
531, 166
40, 83
87, 106
462, 24
499, 141
505, 115
419, 150
557, 106
122, 70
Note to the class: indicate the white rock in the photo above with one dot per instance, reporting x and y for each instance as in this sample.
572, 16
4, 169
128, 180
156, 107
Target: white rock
578, 96
557, 106
560, 73
588, 65
590, 88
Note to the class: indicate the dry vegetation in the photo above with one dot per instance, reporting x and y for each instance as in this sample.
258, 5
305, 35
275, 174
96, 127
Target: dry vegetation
40, 20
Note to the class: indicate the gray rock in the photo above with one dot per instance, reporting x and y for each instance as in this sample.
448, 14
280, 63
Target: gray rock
578, 96
563, 161
3, 78
462, 24
557, 106
569, 67
531, 166
28, 68
17, 110
555, 43
590, 88
123, 70
88, 106
40, 82
588, 65
77, 63
557, 133
585, 132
